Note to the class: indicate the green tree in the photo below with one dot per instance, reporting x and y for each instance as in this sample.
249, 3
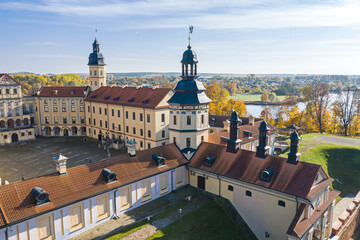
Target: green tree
272, 97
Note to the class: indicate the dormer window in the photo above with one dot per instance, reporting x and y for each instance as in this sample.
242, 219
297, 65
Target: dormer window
40, 196
266, 175
159, 160
247, 134
109, 175
209, 161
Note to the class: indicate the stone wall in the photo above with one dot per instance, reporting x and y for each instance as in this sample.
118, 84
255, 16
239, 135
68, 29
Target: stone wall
349, 220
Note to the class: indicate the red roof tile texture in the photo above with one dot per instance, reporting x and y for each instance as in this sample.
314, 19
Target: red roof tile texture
130, 96
61, 91
218, 120
215, 137
298, 227
83, 181
294, 179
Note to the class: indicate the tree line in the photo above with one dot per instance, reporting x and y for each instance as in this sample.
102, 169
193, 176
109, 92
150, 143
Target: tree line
340, 115
31, 83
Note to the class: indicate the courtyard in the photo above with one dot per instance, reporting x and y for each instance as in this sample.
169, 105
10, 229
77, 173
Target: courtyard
35, 158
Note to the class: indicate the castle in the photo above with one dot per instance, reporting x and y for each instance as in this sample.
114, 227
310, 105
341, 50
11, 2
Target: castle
279, 198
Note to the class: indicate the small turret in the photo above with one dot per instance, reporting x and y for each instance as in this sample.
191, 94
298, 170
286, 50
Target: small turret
233, 143
293, 155
262, 149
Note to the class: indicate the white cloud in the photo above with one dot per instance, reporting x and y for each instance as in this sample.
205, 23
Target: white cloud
205, 14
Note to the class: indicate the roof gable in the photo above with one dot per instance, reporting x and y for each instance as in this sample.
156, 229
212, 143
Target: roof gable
6, 79
293, 179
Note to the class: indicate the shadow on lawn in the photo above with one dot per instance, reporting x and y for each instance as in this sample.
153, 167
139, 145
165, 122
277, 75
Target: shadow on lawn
344, 165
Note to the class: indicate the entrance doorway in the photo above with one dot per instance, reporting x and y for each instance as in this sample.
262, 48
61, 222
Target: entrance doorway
201, 182
66, 132
14, 138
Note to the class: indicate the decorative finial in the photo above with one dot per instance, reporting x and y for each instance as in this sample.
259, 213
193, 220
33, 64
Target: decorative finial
95, 32
191, 28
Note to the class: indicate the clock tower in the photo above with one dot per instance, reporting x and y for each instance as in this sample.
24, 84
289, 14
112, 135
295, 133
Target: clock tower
97, 67
189, 123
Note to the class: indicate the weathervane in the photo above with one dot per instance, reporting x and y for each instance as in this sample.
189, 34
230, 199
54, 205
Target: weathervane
191, 28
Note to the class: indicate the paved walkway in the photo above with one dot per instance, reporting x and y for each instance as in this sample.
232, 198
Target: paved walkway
35, 158
113, 226
332, 139
341, 206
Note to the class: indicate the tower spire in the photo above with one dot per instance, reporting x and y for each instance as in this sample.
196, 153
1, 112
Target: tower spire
191, 28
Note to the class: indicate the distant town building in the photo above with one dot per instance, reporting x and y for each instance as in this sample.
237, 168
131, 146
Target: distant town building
17, 115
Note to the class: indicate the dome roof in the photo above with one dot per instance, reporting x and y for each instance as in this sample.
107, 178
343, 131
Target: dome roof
189, 56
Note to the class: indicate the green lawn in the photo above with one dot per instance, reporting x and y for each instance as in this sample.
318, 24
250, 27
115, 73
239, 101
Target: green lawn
132, 228
207, 222
250, 97
340, 162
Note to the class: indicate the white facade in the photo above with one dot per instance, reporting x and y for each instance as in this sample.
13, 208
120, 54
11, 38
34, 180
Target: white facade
188, 125
57, 223
97, 76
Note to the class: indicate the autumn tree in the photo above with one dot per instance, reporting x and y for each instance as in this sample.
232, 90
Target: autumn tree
233, 88
317, 97
347, 106
267, 115
264, 97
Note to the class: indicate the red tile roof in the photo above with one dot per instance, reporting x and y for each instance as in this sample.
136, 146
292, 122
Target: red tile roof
215, 137
61, 91
243, 165
83, 181
298, 227
130, 96
218, 120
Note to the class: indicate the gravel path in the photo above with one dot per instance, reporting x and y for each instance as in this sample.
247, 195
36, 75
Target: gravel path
332, 139
150, 229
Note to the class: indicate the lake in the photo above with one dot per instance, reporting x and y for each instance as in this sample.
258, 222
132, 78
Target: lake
255, 110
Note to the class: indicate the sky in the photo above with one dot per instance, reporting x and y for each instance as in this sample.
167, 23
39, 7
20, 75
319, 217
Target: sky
230, 36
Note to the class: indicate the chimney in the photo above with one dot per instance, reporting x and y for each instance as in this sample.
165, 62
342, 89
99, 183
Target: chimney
262, 149
226, 125
251, 120
233, 143
60, 162
293, 155
131, 146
